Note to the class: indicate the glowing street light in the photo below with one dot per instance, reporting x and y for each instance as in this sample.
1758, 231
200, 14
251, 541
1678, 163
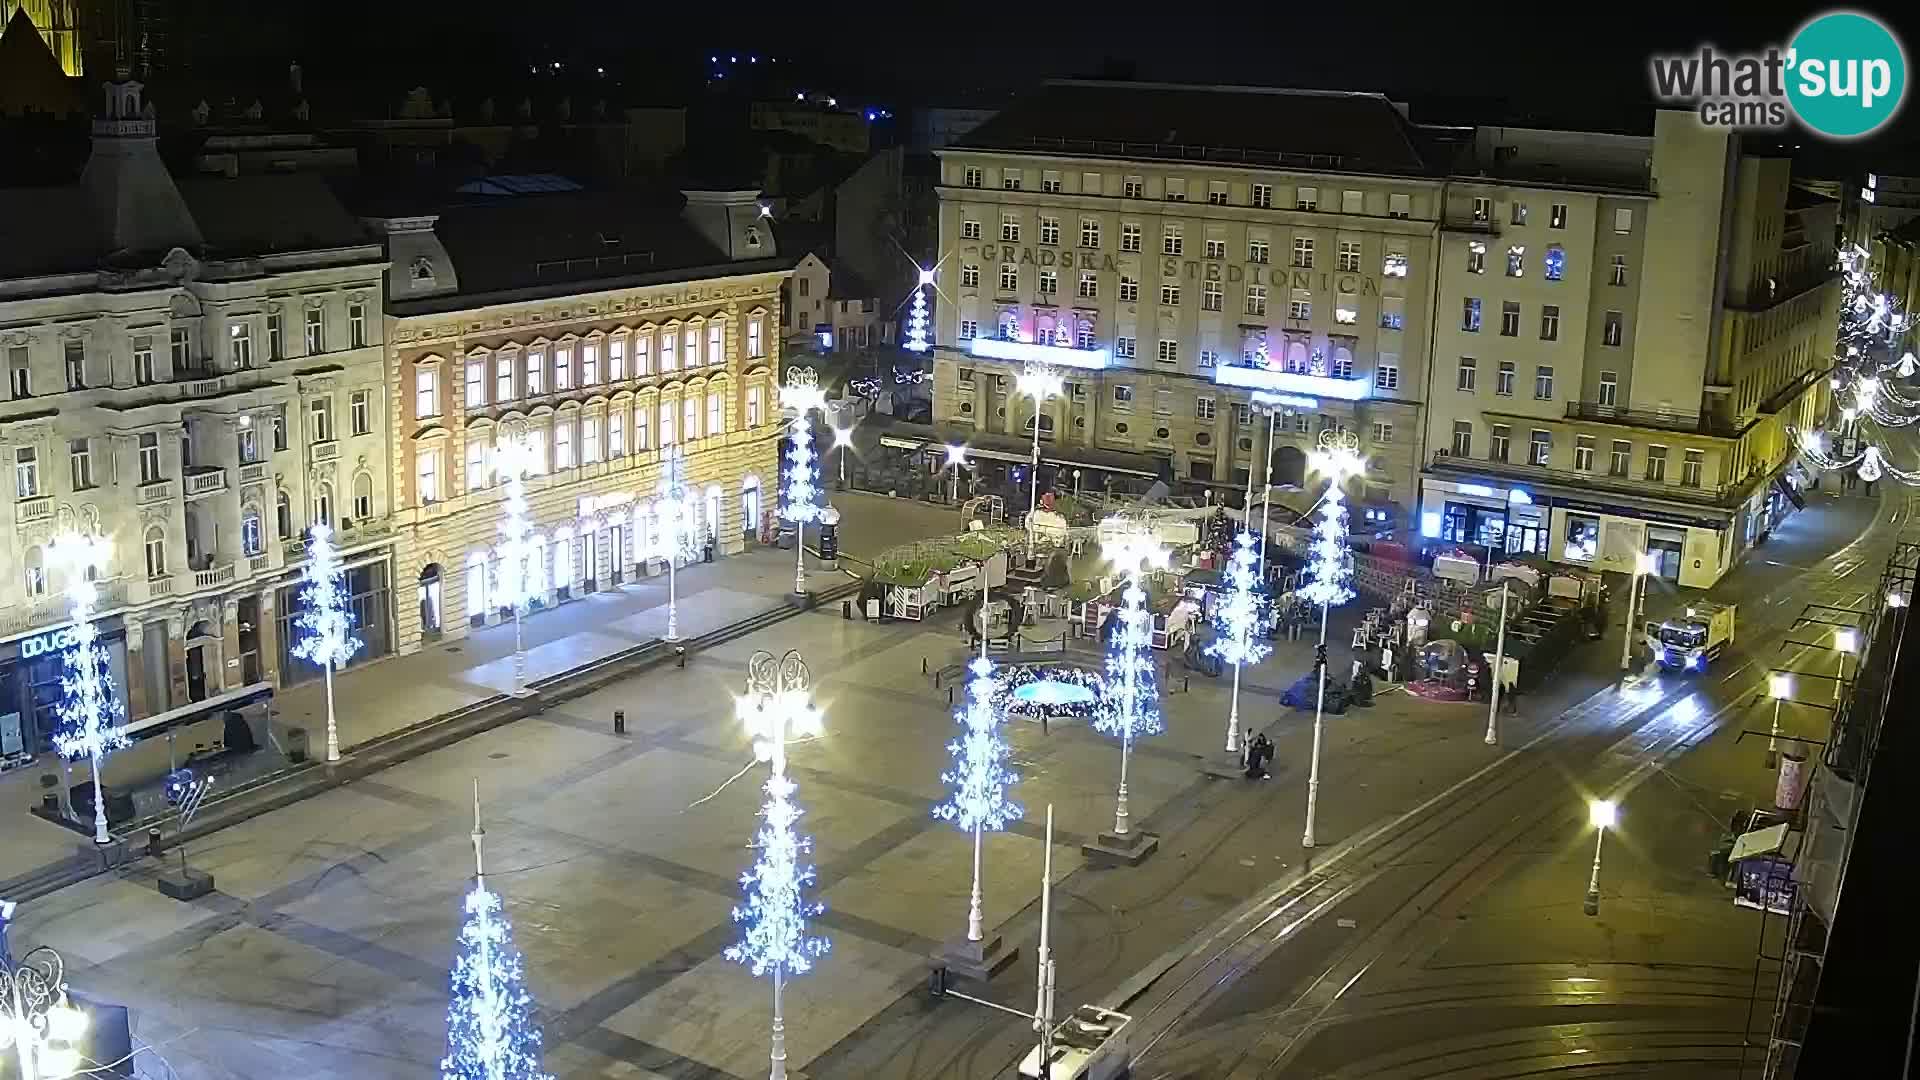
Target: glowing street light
956, 460
36, 1020
842, 439
1337, 457
1602, 813
1038, 382
1846, 642
1779, 688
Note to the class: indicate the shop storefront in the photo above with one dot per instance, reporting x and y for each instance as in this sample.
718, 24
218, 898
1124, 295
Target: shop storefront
31, 669
371, 603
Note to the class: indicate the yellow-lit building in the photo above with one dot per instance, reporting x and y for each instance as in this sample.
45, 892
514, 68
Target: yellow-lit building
58, 22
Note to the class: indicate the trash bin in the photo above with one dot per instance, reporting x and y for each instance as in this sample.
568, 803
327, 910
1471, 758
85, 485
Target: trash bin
296, 745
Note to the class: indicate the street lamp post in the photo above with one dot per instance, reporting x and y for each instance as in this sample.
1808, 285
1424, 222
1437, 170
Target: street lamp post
675, 539
1643, 565
1603, 814
1337, 457
1076, 483
801, 393
843, 438
1135, 550
36, 1019
1499, 664
1273, 411
956, 460
1038, 382
1846, 642
1779, 688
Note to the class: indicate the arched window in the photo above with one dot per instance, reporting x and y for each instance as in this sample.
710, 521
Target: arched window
156, 550
253, 538
1297, 357
283, 515
362, 496
323, 504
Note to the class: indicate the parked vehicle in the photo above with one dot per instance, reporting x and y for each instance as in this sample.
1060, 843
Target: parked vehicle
1692, 641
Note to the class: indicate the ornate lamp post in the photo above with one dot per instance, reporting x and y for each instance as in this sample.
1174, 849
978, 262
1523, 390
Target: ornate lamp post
956, 460
800, 393
36, 1019
1602, 813
1038, 382
778, 705
90, 711
1337, 457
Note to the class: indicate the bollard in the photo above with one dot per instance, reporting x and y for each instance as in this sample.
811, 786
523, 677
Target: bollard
923, 665
949, 695
619, 721
680, 651
846, 610
1186, 684
153, 841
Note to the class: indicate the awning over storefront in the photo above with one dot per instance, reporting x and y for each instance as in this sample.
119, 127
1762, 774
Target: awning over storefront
901, 434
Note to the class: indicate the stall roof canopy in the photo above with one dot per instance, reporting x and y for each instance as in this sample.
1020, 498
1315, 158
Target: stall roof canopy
893, 431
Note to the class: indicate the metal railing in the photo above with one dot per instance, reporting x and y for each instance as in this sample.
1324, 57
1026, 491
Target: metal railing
1663, 419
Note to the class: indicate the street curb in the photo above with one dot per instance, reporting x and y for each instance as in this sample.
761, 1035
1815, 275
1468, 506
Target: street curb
300, 782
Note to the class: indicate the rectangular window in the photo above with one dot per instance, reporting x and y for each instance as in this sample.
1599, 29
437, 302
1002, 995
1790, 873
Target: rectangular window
690, 417
1009, 228
74, 354
1393, 312
1656, 463
1519, 213
756, 338
1010, 180
1540, 448
1216, 249
1469, 374
1133, 187
1084, 337
427, 474
669, 351
1089, 233
1609, 388
1621, 460
1049, 282
1623, 220
1550, 322
357, 325
276, 336
1349, 258
1216, 193
590, 361
1470, 315
1050, 182
1352, 202
1619, 270
1692, 463
1482, 208
1498, 442
19, 372
143, 369
1583, 453
1207, 359
1176, 190
1129, 290
1509, 319
1089, 287
316, 332
969, 230
1342, 364
1171, 242
690, 345
1212, 296
80, 458
280, 427
1169, 351
26, 473
503, 383
1303, 252
969, 329
1163, 403
969, 276
1260, 195
1346, 308
589, 440
1256, 299
360, 411
1123, 347
1170, 295
1610, 331
1557, 216
149, 454
476, 463
617, 433
641, 415
1399, 205
1009, 277
643, 354
1503, 379
1203, 408
1543, 383
1462, 438
426, 394
1300, 305
239, 348
1382, 432
1123, 398
180, 348
1476, 257
536, 372
320, 420
1129, 237
476, 383
1386, 372
1090, 183
1516, 261
563, 442
1258, 251
1394, 263
1306, 198
973, 177
1049, 230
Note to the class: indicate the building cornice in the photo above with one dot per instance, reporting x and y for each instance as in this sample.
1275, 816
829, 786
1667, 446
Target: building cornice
772, 266
1237, 168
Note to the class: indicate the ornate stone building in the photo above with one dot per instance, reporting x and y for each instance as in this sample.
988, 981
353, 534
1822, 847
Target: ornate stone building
604, 330
193, 370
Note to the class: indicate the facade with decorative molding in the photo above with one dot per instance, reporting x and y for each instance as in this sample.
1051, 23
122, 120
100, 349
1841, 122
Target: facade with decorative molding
600, 369
1277, 248
199, 385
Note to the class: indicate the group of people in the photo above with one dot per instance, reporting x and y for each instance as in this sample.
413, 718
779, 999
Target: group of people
1256, 754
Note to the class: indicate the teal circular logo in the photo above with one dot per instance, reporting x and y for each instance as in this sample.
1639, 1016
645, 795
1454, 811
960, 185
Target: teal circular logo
1846, 74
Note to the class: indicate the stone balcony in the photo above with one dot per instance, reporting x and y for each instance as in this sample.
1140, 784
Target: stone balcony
203, 480
153, 492
253, 472
214, 577
28, 511
325, 451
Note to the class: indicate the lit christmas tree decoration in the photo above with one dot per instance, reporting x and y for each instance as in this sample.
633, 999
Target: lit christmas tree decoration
325, 622
490, 1030
1133, 692
801, 393
1238, 618
979, 776
917, 316
676, 535
92, 717
1337, 457
519, 565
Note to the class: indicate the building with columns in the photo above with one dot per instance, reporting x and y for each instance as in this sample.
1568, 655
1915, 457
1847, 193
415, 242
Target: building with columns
1626, 329
604, 328
193, 371
1176, 250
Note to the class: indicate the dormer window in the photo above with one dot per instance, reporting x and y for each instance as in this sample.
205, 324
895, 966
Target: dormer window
753, 237
422, 272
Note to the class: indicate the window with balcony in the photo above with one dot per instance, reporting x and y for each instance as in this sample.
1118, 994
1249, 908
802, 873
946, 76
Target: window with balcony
1543, 383
1509, 319
1503, 379
1550, 322
1583, 453
179, 349
320, 420
253, 538
1540, 448
1256, 299
1499, 442
316, 331
426, 395
1462, 438
360, 411
1303, 252
1620, 461
247, 441
1468, 378
1656, 463
155, 546
26, 473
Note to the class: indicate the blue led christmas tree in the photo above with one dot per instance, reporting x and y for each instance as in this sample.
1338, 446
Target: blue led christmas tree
1238, 618
490, 1029
92, 718
979, 776
1133, 692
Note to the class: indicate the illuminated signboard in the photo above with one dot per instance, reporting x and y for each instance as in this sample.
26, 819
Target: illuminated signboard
996, 349
1288, 382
